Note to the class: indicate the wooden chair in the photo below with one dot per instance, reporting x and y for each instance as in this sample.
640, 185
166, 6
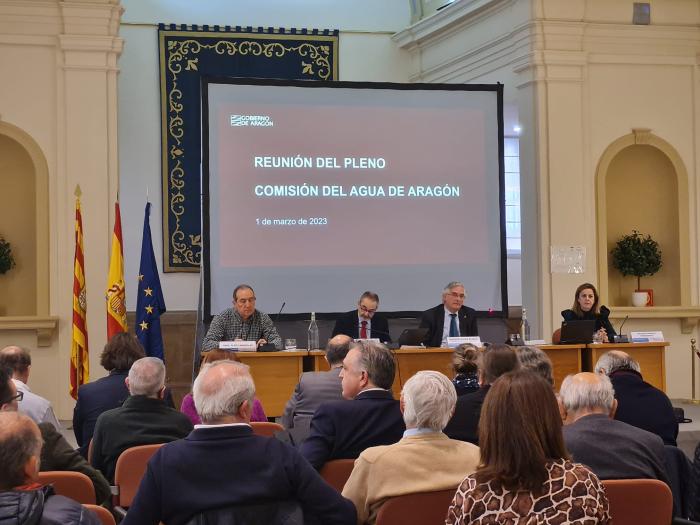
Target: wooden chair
556, 336
74, 485
265, 428
635, 501
336, 472
426, 508
102, 513
130, 468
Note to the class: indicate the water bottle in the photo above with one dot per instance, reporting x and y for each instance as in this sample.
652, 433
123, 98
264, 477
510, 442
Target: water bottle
525, 328
313, 333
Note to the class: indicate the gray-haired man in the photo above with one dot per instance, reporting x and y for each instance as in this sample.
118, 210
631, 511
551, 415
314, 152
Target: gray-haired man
143, 419
449, 319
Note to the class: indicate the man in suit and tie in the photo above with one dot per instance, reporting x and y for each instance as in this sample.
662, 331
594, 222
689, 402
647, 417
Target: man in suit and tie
370, 416
365, 322
449, 319
222, 466
315, 388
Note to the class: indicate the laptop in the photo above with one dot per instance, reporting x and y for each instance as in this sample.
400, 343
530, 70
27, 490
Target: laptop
413, 336
577, 332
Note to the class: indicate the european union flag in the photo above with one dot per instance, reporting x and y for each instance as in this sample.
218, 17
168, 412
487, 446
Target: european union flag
150, 303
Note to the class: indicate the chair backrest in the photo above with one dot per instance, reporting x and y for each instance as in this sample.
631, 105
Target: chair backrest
336, 472
635, 501
74, 485
426, 508
556, 336
265, 428
130, 468
102, 513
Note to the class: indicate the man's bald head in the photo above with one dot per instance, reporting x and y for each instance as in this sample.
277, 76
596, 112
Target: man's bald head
337, 348
587, 393
18, 360
20, 449
224, 392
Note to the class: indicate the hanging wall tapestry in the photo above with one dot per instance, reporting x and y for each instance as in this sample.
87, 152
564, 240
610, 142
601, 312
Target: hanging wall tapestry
186, 54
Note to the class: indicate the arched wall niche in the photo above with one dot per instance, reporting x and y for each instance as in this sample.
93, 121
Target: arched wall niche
24, 220
642, 184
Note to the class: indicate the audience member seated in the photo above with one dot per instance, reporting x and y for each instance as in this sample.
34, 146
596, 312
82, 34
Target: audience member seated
108, 392
22, 499
495, 360
466, 369
143, 419
211, 356
315, 388
368, 417
223, 465
56, 452
612, 449
19, 360
424, 460
695, 486
638, 403
536, 360
525, 475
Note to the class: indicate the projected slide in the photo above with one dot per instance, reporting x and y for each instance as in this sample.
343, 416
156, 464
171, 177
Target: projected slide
315, 194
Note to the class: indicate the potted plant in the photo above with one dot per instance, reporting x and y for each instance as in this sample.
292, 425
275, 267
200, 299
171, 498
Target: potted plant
7, 261
638, 255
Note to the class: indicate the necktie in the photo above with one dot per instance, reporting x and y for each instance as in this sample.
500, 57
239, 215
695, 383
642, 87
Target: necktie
454, 331
363, 330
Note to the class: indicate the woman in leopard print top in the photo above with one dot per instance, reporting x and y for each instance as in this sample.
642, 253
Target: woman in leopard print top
525, 476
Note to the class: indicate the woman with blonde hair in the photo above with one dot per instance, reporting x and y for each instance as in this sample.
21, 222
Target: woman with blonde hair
465, 368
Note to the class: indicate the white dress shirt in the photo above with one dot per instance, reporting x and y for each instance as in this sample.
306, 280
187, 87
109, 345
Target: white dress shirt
36, 407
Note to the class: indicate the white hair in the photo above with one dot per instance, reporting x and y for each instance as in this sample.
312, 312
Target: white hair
615, 360
221, 388
577, 394
451, 285
429, 400
146, 377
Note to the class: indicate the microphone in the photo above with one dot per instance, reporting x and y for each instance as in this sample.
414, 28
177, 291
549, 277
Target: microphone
620, 338
277, 319
270, 347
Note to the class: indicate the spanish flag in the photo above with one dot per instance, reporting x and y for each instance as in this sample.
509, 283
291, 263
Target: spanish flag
79, 358
116, 293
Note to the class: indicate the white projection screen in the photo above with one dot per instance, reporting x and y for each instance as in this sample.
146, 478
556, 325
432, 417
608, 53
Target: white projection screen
314, 192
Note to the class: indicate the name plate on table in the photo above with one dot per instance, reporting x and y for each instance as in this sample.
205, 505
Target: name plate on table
454, 342
371, 340
238, 346
647, 337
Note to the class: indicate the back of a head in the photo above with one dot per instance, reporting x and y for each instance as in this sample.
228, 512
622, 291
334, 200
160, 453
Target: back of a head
337, 348
220, 389
218, 354
15, 358
615, 360
20, 440
587, 393
5, 388
378, 361
121, 351
497, 360
535, 359
429, 400
146, 377
519, 432
465, 359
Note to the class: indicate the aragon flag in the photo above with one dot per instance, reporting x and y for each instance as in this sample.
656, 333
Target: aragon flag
116, 293
79, 356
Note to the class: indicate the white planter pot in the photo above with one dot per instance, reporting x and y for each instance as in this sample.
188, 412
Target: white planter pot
640, 298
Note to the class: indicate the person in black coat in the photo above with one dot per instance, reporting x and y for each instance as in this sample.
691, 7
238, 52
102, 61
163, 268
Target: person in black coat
352, 323
586, 307
440, 326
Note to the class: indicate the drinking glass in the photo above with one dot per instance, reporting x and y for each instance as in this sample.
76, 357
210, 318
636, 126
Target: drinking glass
290, 344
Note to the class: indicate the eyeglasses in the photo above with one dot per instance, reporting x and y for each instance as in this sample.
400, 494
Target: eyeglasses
457, 295
18, 396
367, 310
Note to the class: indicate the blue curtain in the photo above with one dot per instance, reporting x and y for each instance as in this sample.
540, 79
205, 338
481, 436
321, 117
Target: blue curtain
188, 52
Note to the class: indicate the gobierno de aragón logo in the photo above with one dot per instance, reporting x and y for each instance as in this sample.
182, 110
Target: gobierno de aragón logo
261, 121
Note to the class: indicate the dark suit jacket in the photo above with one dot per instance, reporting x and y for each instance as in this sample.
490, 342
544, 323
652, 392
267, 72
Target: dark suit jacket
643, 405
224, 466
615, 450
343, 429
139, 421
601, 320
464, 424
434, 319
99, 396
349, 324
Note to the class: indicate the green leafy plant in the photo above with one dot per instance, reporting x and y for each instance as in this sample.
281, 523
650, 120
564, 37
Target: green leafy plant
637, 255
7, 261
